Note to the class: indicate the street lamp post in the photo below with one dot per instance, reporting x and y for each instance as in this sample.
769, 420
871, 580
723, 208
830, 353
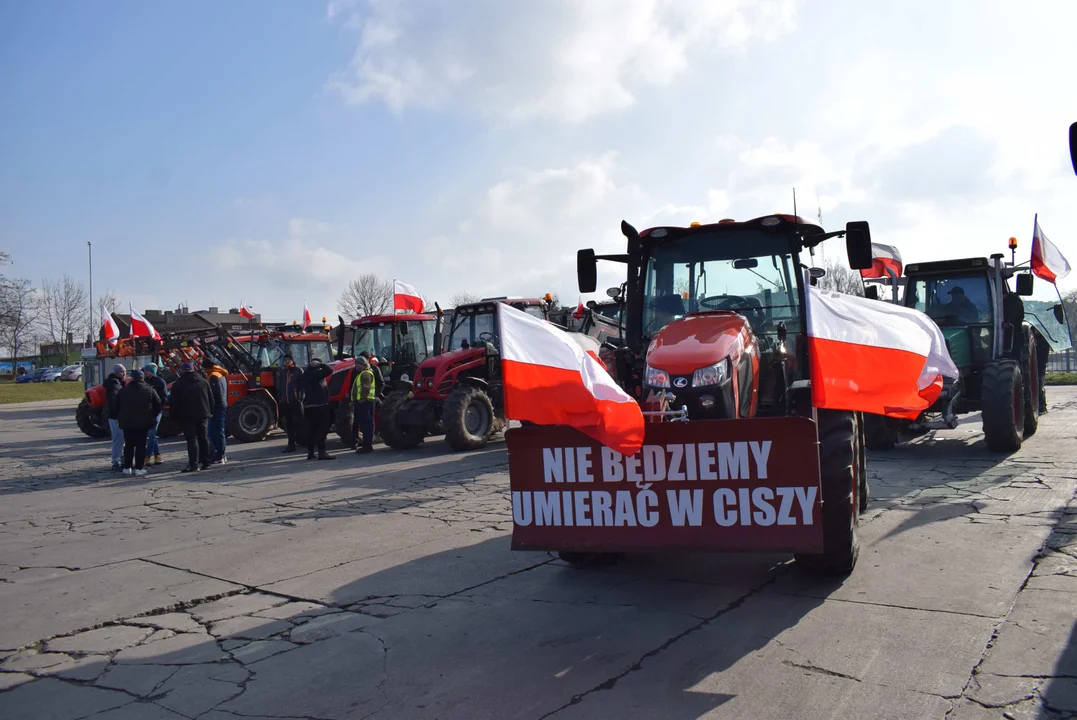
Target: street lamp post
89, 251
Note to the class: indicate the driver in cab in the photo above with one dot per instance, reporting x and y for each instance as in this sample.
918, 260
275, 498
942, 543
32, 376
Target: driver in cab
960, 306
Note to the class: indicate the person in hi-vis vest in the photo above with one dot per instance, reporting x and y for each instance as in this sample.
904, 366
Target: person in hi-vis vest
364, 392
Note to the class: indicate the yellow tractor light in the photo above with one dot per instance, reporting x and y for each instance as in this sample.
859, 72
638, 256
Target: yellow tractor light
1013, 243
549, 297
694, 223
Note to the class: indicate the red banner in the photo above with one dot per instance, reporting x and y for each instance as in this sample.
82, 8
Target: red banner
725, 485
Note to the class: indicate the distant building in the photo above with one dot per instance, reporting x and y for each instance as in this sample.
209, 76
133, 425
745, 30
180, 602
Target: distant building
181, 319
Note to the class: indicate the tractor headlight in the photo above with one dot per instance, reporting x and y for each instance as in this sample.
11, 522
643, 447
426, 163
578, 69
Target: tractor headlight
711, 375
657, 378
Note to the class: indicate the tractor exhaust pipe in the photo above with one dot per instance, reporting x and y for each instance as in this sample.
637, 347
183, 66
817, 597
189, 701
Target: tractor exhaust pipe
438, 332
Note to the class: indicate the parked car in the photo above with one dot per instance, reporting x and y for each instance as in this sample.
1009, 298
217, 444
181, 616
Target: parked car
26, 377
50, 374
72, 373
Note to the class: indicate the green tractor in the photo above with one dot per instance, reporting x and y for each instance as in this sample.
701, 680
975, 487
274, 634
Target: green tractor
999, 342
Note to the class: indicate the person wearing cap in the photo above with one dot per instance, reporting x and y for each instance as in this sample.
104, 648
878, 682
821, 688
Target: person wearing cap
364, 391
137, 407
113, 384
190, 405
217, 377
960, 306
316, 406
291, 400
155, 381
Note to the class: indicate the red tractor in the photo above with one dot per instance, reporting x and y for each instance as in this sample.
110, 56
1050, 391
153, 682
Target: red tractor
459, 390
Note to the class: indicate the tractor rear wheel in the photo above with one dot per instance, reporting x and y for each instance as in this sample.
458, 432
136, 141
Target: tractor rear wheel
469, 418
398, 436
250, 419
1002, 397
1030, 373
88, 421
839, 467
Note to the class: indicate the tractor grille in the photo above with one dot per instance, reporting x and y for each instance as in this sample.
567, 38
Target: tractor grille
426, 372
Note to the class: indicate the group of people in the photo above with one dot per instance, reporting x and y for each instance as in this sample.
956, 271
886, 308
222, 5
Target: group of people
305, 404
197, 402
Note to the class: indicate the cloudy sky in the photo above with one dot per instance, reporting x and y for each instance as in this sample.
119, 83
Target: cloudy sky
267, 152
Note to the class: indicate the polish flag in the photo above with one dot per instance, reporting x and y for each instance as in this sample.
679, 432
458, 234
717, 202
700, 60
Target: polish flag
1047, 262
874, 357
549, 379
306, 315
110, 329
406, 297
883, 258
580, 311
247, 311
141, 327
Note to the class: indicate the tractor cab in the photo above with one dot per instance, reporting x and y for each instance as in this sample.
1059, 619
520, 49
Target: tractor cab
269, 347
400, 342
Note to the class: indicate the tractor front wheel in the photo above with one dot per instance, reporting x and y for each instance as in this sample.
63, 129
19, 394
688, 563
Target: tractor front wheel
398, 435
839, 467
1030, 373
1002, 397
469, 418
89, 420
250, 419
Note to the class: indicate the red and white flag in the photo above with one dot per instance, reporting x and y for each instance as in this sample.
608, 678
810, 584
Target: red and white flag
247, 311
406, 297
141, 327
306, 315
1047, 262
549, 379
110, 329
580, 311
883, 258
874, 357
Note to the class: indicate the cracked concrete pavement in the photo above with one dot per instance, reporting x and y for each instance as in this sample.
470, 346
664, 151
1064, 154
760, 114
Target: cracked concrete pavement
383, 587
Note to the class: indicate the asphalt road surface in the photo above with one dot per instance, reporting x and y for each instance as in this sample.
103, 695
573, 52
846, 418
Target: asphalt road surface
383, 587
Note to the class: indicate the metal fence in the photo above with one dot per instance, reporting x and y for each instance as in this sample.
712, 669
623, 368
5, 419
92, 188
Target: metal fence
1064, 361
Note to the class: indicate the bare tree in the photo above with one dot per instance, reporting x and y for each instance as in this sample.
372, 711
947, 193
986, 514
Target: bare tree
63, 309
841, 279
463, 298
367, 295
19, 306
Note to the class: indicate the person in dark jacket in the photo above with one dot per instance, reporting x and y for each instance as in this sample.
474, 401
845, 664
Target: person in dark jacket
316, 407
190, 406
113, 384
217, 377
137, 408
291, 400
155, 381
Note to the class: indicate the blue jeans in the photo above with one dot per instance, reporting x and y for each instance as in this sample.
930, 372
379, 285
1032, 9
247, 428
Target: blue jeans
152, 448
117, 441
216, 434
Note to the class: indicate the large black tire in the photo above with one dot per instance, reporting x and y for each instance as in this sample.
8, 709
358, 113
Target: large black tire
1002, 397
88, 421
251, 418
1030, 373
342, 421
839, 467
394, 434
469, 418
864, 493
880, 432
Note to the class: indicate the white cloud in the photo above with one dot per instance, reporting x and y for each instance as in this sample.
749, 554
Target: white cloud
563, 60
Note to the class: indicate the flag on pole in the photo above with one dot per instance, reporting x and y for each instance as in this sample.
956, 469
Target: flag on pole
141, 327
406, 297
109, 329
247, 311
874, 357
579, 312
306, 315
1047, 261
551, 380
883, 258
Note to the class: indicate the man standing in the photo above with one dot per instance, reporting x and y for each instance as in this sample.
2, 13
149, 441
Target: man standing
364, 391
291, 400
155, 381
113, 384
190, 406
316, 407
137, 407
218, 387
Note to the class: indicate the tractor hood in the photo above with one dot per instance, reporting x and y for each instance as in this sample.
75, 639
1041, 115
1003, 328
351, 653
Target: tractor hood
698, 340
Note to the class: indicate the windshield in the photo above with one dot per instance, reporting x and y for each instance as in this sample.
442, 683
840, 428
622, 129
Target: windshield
953, 299
750, 273
374, 340
466, 330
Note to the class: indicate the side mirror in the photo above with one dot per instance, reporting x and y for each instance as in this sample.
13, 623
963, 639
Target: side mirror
1059, 315
586, 270
1073, 146
858, 245
1024, 284
404, 328
746, 263
613, 292
814, 273
871, 292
